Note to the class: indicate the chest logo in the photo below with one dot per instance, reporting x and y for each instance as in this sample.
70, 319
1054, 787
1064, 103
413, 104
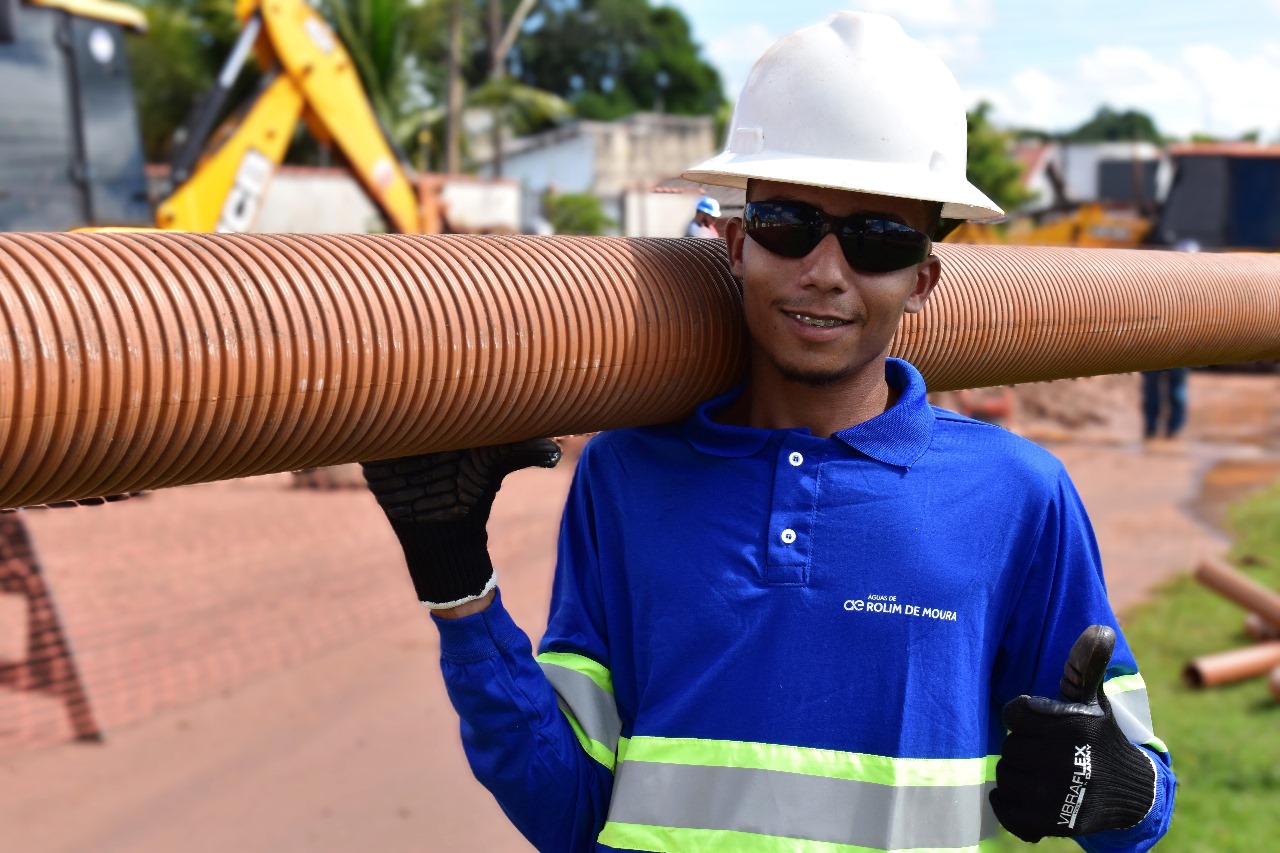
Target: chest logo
889, 605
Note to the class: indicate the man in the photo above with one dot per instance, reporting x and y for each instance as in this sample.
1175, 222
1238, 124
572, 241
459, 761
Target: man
804, 618
704, 219
1164, 392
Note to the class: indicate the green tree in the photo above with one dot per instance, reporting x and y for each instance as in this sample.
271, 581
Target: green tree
1108, 125
610, 58
177, 60
576, 213
487, 31
380, 37
992, 166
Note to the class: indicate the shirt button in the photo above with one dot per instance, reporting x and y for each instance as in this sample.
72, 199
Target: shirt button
796, 460
788, 536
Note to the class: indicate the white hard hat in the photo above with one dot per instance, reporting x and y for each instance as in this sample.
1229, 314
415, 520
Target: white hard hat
709, 206
852, 103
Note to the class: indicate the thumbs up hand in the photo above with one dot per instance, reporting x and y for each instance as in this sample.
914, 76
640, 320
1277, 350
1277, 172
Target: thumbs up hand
1065, 767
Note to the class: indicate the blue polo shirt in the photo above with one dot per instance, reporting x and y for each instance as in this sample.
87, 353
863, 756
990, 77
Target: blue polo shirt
762, 638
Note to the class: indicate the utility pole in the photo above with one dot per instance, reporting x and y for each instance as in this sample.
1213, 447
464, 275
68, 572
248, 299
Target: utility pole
497, 57
501, 40
453, 130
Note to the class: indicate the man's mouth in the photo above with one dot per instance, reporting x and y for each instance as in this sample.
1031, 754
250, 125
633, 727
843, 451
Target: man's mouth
819, 322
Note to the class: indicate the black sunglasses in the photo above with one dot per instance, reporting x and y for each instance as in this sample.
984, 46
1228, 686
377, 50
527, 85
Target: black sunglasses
793, 229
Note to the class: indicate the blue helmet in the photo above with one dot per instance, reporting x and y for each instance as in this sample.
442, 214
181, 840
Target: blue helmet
709, 206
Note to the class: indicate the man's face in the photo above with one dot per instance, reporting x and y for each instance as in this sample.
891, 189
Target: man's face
815, 319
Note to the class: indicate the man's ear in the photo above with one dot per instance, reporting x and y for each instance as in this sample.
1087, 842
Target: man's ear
927, 275
735, 236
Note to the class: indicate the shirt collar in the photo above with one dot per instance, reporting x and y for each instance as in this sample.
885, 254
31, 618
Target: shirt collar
898, 436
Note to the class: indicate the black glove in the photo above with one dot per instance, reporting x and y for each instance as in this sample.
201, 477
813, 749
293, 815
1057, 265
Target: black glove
1066, 768
438, 505
98, 501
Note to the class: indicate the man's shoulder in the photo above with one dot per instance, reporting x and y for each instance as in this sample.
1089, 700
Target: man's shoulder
989, 449
612, 445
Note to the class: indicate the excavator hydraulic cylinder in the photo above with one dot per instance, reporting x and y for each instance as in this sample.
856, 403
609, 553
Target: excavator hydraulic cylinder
136, 361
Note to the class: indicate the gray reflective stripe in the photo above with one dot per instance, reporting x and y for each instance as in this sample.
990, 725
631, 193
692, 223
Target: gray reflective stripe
594, 709
796, 805
1133, 713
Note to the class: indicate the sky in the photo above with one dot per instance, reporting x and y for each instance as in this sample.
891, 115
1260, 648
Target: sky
1206, 66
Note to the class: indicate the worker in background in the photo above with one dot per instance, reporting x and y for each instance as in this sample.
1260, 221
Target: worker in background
704, 219
817, 613
1164, 392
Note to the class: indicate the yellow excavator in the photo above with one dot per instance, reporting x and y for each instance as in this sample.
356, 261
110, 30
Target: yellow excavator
1086, 225
1064, 223
90, 172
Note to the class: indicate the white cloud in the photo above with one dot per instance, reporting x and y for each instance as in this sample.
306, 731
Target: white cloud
960, 51
950, 28
735, 50
1239, 93
1204, 88
936, 14
1131, 75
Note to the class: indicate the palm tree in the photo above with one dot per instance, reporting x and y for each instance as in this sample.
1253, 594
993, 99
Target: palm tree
380, 36
402, 47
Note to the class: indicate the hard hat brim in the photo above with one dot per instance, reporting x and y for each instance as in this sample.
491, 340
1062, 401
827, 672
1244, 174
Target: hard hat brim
960, 199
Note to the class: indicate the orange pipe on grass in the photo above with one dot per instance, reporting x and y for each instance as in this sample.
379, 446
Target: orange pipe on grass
1240, 588
1235, 665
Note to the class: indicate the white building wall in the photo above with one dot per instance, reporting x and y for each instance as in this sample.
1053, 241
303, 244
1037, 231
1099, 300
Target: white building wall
330, 201
567, 167
650, 214
1079, 163
316, 201
479, 206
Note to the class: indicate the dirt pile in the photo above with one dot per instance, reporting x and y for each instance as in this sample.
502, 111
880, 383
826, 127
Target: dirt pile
1104, 408
1091, 408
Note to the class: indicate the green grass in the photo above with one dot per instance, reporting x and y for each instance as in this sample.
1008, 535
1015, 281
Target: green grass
1225, 741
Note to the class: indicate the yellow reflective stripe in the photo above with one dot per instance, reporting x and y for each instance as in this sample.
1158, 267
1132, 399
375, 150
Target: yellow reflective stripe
591, 669
594, 748
828, 763
1124, 684
658, 839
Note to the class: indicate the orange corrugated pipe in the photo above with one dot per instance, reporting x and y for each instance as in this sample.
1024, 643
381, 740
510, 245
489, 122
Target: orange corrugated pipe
141, 360
1240, 588
1231, 666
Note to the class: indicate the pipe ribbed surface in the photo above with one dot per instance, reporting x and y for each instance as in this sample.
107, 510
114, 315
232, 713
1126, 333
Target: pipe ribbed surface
138, 361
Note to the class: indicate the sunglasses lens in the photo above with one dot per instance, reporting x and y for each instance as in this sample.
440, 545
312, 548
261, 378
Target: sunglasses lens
790, 230
878, 245
793, 229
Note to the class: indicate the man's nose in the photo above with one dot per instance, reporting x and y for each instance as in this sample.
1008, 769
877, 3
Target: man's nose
826, 267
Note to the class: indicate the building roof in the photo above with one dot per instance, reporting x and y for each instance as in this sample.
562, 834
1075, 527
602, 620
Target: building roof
1224, 149
731, 200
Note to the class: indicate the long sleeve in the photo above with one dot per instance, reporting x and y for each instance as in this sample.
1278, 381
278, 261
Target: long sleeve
1063, 593
520, 745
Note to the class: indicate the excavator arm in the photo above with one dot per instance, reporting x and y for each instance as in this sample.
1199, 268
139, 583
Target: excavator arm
310, 75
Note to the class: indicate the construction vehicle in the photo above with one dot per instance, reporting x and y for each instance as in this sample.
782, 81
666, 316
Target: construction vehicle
1068, 222
1086, 225
1225, 196
66, 58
